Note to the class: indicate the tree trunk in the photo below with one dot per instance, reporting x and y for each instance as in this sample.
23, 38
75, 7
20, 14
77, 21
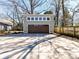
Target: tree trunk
63, 20
57, 13
31, 6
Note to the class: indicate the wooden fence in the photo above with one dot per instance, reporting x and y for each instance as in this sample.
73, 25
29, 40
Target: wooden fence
71, 31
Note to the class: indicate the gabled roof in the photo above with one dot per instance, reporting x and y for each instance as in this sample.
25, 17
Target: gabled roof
5, 22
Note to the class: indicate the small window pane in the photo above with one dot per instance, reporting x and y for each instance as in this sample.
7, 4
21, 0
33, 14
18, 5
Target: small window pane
36, 18
48, 18
44, 18
28, 18
32, 18
40, 18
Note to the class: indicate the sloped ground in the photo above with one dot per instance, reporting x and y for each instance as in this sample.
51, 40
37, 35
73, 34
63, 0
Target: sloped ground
38, 46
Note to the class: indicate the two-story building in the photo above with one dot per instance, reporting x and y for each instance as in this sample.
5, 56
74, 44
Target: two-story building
34, 23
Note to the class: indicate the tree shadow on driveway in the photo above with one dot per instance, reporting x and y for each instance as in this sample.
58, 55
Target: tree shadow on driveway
70, 38
24, 35
28, 48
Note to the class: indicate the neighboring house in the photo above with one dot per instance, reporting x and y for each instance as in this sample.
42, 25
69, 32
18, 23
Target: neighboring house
35, 23
5, 25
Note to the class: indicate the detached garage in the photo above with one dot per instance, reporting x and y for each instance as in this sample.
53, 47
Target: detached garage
38, 23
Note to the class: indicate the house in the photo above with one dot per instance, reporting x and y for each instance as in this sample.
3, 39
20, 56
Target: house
35, 23
5, 25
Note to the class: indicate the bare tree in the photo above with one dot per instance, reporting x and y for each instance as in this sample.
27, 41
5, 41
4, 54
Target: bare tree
56, 4
28, 6
74, 11
23, 6
59, 5
63, 11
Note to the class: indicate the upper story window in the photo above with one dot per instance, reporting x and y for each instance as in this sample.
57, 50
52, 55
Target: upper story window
28, 18
44, 18
32, 18
48, 18
38, 18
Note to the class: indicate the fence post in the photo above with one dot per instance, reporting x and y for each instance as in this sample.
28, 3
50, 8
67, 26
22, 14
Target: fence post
74, 31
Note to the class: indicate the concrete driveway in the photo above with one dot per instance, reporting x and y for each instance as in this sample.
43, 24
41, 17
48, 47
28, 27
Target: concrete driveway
38, 46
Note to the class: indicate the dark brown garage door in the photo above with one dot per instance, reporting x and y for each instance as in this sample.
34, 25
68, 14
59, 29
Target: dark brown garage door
38, 28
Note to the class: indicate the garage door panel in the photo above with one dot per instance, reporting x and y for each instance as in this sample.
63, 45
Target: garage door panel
38, 28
